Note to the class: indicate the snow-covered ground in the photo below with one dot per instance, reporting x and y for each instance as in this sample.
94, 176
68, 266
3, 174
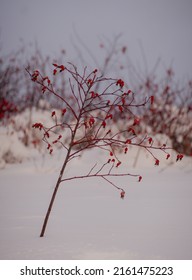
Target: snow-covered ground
89, 220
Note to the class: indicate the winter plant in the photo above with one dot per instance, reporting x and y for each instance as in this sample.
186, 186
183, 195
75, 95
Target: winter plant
86, 121
171, 112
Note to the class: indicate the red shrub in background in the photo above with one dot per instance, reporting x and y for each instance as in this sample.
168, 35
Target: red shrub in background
170, 112
6, 109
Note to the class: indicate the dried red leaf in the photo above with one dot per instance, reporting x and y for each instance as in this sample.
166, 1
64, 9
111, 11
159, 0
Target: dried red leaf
43, 89
103, 124
136, 121
140, 178
90, 82
61, 67
131, 130
63, 111
120, 83
118, 163
110, 116
46, 134
37, 125
168, 156
53, 114
156, 161
123, 100
48, 146
35, 75
122, 194
91, 121
47, 79
179, 157
150, 140
128, 141
120, 108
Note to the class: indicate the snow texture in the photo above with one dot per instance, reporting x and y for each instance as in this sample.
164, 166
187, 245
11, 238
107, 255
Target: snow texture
89, 220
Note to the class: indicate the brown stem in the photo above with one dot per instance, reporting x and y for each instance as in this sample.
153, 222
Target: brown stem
54, 195
60, 178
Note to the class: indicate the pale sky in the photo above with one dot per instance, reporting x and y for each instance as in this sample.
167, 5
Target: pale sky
162, 27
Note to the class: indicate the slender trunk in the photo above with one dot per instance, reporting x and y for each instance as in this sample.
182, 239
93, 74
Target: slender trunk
60, 175
54, 195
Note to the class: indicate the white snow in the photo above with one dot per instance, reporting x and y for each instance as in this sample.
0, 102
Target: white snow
17, 138
89, 220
